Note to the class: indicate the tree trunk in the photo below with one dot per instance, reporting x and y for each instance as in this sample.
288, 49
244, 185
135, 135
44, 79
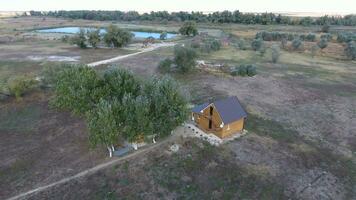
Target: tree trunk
112, 147
154, 140
110, 152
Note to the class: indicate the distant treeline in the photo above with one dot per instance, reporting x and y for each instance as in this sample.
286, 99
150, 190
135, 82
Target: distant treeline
216, 17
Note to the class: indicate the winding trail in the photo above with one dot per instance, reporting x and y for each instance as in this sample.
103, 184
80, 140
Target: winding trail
115, 160
153, 47
92, 170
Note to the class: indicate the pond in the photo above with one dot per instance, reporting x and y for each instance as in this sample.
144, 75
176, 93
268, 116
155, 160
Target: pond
73, 30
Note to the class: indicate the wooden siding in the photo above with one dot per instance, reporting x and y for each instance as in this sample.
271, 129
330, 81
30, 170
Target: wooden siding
202, 120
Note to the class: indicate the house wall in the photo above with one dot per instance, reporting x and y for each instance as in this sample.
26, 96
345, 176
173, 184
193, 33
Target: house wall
202, 120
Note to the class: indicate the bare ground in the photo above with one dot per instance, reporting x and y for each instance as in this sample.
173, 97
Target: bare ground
39, 145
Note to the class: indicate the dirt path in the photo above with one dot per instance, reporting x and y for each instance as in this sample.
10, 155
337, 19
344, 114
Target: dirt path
92, 170
153, 47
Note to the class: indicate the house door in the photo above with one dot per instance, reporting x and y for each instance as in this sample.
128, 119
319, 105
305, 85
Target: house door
211, 117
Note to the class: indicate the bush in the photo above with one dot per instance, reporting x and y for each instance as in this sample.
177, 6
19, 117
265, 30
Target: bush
184, 58
327, 36
276, 52
241, 44
322, 44
210, 45
297, 44
18, 85
189, 28
257, 44
346, 37
94, 37
350, 50
163, 36
165, 65
65, 38
116, 37
244, 70
325, 28
79, 39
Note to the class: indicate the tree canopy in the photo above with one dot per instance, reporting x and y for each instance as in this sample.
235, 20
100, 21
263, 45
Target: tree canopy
117, 105
116, 37
184, 58
189, 28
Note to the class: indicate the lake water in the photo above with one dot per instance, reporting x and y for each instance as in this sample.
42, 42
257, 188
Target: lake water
73, 30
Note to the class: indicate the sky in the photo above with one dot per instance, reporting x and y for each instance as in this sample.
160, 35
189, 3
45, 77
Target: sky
320, 6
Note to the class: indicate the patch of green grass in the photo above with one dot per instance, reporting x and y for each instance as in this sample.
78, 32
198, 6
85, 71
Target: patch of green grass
21, 119
270, 128
12, 68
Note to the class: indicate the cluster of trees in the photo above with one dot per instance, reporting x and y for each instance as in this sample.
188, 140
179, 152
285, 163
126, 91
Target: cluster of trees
279, 36
346, 37
184, 60
113, 37
216, 17
189, 28
117, 105
244, 70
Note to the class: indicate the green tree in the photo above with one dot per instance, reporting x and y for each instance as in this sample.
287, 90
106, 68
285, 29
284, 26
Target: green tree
297, 44
18, 85
257, 44
94, 37
168, 105
350, 50
163, 36
323, 43
105, 124
325, 28
164, 66
119, 82
189, 28
78, 89
116, 37
184, 58
80, 39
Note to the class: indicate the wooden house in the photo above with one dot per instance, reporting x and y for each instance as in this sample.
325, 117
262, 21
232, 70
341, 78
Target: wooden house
222, 117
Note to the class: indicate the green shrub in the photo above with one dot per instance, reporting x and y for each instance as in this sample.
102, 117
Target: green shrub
165, 65
189, 28
323, 43
244, 70
116, 37
184, 58
325, 28
350, 50
94, 37
163, 36
327, 36
251, 70
18, 85
257, 44
297, 44
210, 45
80, 39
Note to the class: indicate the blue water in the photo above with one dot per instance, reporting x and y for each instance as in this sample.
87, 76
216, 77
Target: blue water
73, 30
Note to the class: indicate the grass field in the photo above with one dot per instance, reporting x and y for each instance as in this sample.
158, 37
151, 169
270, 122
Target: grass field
301, 123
